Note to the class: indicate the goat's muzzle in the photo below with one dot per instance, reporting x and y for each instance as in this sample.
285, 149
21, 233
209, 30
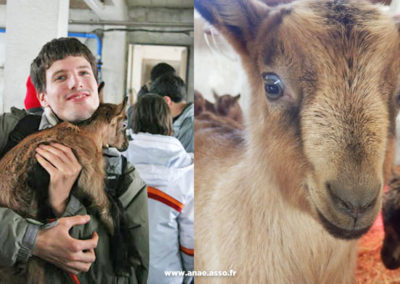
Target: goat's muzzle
125, 143
347, 209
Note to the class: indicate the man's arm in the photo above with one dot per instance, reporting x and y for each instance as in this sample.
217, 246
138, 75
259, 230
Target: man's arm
56, 246
63, 168
19, 237
8, 121
13, 227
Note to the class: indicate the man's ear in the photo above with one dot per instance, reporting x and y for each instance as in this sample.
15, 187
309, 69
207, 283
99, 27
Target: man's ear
42, 97
168, 100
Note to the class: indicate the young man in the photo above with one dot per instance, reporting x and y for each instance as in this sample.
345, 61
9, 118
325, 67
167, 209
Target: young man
64, 74
172, 88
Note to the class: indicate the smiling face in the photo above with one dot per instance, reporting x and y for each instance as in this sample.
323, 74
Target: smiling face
71, 89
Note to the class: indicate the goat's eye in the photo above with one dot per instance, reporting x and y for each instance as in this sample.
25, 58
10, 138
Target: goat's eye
124, 124
273, 86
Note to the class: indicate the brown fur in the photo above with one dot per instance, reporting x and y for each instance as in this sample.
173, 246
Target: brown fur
226, 111
208, 119
201, 104
104, 128
228, 106
280, 206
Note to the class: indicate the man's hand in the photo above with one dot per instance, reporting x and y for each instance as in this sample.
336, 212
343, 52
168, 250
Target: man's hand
63, 167
56, 246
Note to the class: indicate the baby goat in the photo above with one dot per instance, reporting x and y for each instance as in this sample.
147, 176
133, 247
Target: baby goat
86, 139
390, 251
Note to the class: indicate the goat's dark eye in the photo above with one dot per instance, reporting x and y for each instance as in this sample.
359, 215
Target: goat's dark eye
124, 124
273, 86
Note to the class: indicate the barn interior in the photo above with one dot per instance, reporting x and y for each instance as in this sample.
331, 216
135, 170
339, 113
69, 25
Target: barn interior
127, 37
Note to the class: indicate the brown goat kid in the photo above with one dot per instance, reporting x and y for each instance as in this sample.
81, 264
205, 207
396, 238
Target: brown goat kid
104, 128
226, 111
287, 203
228, 106
201, 104
390, 251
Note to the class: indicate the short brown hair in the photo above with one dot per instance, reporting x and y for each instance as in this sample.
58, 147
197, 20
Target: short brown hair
151, 114
54, 50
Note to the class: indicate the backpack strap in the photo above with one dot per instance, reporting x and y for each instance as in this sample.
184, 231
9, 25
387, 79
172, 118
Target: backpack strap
114, 185
28, 125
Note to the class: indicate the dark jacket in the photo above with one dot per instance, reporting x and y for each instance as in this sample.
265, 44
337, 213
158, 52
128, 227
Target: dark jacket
133, 199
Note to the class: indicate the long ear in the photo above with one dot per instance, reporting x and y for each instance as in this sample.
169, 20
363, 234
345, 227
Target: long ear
215, 95
237, 20
396, 19
123, 105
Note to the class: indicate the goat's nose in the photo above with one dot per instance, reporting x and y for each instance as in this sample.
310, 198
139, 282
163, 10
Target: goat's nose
354, 201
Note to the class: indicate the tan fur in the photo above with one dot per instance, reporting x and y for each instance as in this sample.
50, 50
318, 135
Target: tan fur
86, 141
257, 201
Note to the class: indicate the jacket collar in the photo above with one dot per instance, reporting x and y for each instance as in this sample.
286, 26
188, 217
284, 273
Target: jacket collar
49, 119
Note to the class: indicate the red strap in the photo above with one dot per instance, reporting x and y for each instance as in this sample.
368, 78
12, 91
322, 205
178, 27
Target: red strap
74, 278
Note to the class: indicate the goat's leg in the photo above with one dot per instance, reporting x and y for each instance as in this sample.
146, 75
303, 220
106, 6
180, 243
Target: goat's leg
91, 186
36, 271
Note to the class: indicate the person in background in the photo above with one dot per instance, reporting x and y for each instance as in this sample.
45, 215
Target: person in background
173, 90
167, 169
32, 104
158, 70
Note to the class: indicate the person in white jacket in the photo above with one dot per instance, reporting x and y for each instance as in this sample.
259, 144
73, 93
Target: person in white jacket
167, 168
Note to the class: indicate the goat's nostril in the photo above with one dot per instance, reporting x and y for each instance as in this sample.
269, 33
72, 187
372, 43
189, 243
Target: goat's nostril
354, 208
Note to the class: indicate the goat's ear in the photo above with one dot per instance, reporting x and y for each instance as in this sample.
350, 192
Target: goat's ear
396, 19
123, 105
100, 90
237, 97
215, 95
237, 20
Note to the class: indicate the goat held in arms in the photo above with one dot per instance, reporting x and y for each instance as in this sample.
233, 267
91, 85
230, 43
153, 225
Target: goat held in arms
21, 191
